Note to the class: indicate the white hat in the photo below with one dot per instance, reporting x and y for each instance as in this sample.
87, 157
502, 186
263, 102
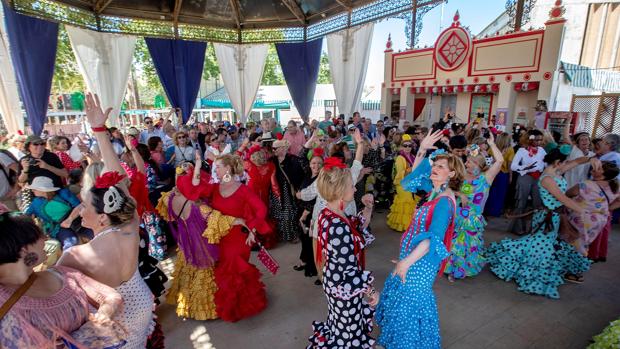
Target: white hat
44, 184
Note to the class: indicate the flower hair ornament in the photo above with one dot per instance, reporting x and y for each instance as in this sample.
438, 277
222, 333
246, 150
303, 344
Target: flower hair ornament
318, 152
565, 149
112, 199
254, 149
332, 162
474, 150
436, 153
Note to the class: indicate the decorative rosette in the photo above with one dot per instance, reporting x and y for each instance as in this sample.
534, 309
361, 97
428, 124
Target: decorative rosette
467, 189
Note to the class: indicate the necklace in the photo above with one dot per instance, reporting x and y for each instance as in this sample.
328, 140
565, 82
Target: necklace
436, 193
105, 232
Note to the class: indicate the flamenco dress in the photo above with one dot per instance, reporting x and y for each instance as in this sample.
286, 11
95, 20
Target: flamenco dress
404, 203
193, 285
609, 338
349, 319
407, 312
240, 292
466, 259
538, 261
262, 181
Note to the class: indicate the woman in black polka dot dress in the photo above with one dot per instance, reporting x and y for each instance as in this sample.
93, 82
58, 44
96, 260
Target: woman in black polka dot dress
345, 282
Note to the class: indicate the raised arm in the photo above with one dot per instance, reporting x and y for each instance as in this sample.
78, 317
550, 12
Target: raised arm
428, 143
137, 159
97, 119
568, 165
499, 160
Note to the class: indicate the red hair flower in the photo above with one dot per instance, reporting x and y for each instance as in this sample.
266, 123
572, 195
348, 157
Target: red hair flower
108, 179
279, 136
332, 162
319, 152
254, 149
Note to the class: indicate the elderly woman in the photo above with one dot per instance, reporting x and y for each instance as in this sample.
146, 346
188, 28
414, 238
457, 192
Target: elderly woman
407, 311
608, 151
581, 147
183, 150
111, 257
52, 303
17, 146
347, 285
284, 208
38, 162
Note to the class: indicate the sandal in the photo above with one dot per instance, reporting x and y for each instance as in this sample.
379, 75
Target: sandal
577, 279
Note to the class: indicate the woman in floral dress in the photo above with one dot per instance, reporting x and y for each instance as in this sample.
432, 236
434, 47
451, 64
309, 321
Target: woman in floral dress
539, 261
407, 311
466, 258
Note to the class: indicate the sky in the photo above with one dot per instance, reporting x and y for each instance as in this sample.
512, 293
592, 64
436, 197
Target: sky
475, 14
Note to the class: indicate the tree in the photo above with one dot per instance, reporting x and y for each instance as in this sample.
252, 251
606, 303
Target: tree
325, 76
149, 85
272, 75
211, 69
67, 77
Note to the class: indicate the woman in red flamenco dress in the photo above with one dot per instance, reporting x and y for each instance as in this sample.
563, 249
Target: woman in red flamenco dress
240, 292
262, 181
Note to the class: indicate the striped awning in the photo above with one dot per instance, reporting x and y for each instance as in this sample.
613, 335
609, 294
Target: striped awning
597, 79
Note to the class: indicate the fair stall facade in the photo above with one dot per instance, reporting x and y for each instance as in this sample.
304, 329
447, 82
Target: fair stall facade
510, 76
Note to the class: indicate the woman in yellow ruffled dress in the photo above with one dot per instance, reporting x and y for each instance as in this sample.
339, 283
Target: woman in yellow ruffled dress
404, 203
197, 229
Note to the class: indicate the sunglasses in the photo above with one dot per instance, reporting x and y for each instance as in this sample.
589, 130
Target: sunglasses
407, 145
38, 143
148, 122
181, 137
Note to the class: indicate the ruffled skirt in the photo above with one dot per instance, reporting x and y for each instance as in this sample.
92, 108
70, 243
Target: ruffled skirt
193, 290
609, 338
537, 262
402, 209
240, 293
466, 259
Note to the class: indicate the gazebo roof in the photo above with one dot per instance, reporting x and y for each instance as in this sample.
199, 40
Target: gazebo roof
234, 21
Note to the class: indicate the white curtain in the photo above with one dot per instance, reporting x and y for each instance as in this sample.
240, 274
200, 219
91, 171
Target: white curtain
348, 52
241, 67
10, 106
104, 60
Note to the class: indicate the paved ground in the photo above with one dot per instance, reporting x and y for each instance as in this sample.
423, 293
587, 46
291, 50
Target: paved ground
483, 312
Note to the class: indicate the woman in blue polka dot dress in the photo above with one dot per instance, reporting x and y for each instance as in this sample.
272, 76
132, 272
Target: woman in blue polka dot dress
407, 312
539, 261
347, 286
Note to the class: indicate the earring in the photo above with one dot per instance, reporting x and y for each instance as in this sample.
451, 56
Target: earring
341, 206
31, 259
226, 178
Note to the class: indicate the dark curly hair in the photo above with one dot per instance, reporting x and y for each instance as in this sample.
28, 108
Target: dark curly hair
554, 155
123, 215
16, 232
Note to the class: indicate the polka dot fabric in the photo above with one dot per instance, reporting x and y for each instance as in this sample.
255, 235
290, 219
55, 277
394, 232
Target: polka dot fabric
538, 261
349, 319
137, 315
407, 312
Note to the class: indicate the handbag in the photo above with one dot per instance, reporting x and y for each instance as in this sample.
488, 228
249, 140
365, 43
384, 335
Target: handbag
267, 259
568, 232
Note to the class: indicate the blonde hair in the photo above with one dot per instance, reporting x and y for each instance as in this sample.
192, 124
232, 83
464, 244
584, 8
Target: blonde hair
454, 164
481, 161
503, 141
332, 183
176, 134
93, 171
232, 161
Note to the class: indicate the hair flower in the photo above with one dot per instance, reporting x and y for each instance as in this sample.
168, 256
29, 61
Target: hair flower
474, 150
436, 153
565, 149
332, 162
108, 180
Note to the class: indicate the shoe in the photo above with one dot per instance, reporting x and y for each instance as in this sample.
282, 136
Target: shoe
309, 274
318, 282
577, 279
299, 267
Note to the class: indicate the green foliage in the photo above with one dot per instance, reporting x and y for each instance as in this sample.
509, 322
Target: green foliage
324, 72
272, 75
67, 77
77, 101
148, 82
160, 102
211, 69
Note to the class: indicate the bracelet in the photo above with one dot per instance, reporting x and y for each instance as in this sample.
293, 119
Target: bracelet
99, 129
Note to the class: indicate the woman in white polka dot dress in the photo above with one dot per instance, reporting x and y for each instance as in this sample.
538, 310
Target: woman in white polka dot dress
345, 282
407, 311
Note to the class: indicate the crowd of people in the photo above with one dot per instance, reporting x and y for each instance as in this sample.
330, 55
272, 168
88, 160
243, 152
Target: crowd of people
85, 221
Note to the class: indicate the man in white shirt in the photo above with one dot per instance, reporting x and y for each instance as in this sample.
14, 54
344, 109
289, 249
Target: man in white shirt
529, 163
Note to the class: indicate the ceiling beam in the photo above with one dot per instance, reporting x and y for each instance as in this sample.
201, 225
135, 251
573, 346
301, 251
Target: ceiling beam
176, 11
237, 10
101, 5
295, 10
346, 4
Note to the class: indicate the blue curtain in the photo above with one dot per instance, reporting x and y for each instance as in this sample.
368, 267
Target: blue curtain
33, 51
179, 67
300, 66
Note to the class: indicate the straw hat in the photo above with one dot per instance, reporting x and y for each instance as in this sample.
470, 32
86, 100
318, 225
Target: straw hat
44, 184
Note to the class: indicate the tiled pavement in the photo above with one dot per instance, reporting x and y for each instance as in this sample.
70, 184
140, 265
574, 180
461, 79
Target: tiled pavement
483, 312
